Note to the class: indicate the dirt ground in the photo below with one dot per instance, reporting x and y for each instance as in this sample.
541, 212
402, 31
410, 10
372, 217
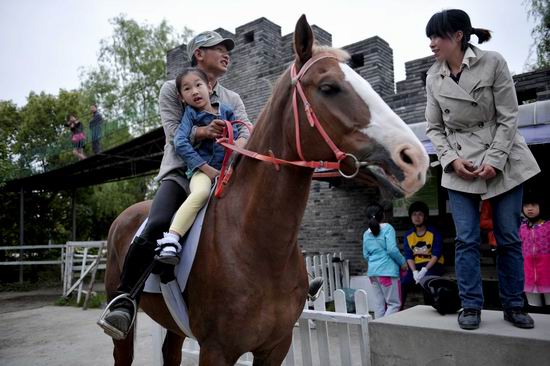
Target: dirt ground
34, 332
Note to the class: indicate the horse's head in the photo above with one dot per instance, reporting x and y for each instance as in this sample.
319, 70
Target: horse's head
379, 146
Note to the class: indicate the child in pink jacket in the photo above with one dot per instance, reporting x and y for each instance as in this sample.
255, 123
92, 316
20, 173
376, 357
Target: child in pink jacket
535, 236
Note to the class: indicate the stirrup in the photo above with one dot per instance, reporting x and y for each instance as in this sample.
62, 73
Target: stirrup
315, 287
111, 331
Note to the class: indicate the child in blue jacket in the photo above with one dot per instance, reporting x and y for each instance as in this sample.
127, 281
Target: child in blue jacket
384, 262
203, 160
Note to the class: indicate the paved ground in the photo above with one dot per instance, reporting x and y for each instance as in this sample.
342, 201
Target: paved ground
34, 332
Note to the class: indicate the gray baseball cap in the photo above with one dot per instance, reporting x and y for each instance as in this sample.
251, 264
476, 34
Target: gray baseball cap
208, 39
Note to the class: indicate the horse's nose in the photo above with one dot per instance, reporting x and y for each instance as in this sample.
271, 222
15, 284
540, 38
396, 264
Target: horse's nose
413, 160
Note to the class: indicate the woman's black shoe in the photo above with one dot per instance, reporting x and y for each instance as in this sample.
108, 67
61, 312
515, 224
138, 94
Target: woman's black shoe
469, 319
519, 318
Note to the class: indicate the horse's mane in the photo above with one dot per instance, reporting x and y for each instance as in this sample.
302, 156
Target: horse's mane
340, 54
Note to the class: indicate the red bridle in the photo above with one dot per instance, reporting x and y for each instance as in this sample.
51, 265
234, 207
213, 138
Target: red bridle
227, 141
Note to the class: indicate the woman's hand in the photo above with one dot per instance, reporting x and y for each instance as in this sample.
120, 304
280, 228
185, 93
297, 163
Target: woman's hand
404, 267
485, 171
464, 169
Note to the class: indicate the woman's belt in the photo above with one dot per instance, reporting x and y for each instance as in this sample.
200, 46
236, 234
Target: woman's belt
477, 127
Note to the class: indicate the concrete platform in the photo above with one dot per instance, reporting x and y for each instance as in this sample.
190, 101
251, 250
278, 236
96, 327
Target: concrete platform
419, 336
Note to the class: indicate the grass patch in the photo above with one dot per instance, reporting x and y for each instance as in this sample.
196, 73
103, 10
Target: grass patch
95, 301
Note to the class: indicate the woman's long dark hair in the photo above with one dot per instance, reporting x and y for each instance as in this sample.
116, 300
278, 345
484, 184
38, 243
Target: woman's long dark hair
447, 22
375, 214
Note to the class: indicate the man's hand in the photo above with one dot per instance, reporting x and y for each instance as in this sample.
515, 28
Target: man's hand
485, 171
464, 169
212, 131
208, 170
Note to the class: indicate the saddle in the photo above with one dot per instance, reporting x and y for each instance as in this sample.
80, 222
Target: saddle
172, 290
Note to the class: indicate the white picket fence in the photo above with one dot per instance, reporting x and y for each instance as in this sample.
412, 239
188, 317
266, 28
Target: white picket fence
334, 270
320, 337
79, 262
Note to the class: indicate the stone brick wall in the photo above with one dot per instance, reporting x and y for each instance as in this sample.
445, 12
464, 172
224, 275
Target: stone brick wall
262, 54
334, 221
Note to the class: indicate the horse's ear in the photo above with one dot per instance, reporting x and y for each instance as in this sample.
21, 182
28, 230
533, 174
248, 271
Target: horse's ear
303, 40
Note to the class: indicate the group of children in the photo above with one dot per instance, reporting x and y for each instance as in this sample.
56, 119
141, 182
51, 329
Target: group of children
389, 270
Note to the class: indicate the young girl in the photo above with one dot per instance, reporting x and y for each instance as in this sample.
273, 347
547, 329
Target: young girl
77, 136
384, 261
203, 160
535, 237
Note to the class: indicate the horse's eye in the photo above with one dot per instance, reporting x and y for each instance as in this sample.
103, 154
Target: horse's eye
329, 89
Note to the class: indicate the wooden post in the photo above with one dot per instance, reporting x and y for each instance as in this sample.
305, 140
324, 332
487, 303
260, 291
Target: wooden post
73, 202
92, 280
21, 230
341, 306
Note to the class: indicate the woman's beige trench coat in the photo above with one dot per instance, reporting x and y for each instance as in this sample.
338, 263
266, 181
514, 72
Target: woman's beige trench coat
476, 120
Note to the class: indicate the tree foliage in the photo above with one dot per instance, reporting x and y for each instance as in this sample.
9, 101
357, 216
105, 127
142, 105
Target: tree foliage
130, 71
125, 86
540, 11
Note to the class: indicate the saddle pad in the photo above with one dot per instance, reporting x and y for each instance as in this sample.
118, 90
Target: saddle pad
172, 291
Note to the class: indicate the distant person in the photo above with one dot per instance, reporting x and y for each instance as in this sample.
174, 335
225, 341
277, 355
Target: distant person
78, 138
535, 237
384, 262
423, 247
472, 112
96, 124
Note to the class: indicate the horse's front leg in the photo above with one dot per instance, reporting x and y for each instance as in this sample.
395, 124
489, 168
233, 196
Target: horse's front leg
212, 354
275, 356
123, 352
171, 349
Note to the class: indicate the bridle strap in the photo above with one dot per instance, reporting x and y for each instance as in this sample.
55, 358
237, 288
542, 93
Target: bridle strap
228, 143
310, 113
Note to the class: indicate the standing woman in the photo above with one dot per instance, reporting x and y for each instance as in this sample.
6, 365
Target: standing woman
78, 139
472, 122
384, 261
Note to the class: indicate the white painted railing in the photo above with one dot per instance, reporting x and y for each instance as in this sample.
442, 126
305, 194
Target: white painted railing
334, 270
79, 260
320, 338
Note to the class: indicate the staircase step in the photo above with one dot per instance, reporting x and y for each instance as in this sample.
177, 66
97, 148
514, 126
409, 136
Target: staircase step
420, 336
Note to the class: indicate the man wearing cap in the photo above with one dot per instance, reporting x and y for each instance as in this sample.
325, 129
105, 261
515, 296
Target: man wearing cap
209, 52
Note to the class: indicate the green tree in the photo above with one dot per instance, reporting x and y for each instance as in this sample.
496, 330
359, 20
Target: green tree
41, 141
540, 11
9, 122
130, 72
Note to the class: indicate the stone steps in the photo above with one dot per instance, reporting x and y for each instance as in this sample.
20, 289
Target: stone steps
419, 336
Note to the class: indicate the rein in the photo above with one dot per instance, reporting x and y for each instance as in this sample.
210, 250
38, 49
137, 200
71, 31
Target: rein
228, 142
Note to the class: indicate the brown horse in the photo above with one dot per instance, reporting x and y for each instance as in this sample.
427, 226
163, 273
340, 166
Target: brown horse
248, 284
